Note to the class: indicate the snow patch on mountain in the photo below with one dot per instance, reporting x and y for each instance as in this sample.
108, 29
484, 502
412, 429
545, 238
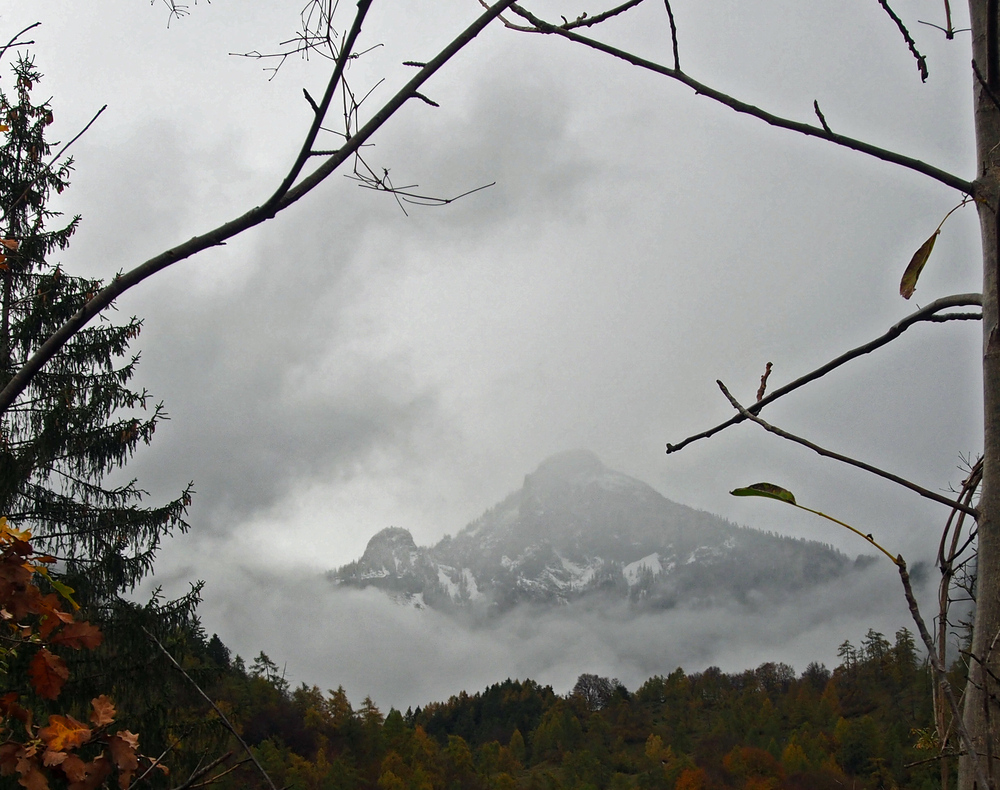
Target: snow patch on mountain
471, 586
576, 530
633, 570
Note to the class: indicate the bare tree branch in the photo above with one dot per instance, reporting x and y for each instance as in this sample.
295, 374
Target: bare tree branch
919, 489
177, 10
320, 111
16, 42
921, 60
6, 209
673, 35
928, 313
587, 21
194, 780
949, 179
280, 200
763, 382
822, 118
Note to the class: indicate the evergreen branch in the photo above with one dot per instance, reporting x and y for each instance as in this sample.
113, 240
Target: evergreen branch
928, 313
949, 179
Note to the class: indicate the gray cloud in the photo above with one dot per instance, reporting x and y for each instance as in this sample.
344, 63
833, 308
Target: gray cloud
404, 657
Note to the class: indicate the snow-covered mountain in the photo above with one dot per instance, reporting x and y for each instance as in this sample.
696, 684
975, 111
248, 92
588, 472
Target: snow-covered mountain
578, 531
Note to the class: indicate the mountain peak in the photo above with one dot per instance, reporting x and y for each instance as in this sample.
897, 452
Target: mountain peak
572, 466
579, 529
392, 537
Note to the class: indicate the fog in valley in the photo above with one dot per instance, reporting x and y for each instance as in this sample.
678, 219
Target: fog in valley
404, 657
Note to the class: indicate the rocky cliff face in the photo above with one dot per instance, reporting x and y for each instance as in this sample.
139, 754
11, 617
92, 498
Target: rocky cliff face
578, 531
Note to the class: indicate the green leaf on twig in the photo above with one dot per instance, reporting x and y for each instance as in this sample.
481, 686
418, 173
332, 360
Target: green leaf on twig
769, 490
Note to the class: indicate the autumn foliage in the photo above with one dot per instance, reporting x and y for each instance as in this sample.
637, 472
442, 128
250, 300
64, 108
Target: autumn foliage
77, 755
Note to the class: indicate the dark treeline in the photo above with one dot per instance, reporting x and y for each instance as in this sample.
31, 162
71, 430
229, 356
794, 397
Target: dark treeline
866, 724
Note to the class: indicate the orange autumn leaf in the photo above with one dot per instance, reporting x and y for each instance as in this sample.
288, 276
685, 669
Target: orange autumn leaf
48, 672
9, 706
63, 732
129, 737
53, 758
92, 774
8, 758
74, 768
78, 634
124, 756
104, 711
33, 779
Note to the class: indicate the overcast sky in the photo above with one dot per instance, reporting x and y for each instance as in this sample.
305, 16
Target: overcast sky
347, 367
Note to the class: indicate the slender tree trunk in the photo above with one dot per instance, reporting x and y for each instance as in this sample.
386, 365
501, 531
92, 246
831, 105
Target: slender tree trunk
982, 714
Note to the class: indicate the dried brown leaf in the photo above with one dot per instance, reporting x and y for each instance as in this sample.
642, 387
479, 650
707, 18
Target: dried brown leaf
916, 265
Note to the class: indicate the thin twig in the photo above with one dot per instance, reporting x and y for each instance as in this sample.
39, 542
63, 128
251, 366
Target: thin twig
763, 382
928, 313
424, 99
921, 60
941, 673
948, 571
320, 111
205, 769
947, 33
949, 179
218, 776
919, 489
6, 210
587, 21
311, 100
157, 761
934, 759
14, 41
673, 35
208, 699
508, 24
967, 492
822, 118
950, 32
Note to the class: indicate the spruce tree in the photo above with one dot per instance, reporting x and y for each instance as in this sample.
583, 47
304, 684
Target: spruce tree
79, 421
77, 424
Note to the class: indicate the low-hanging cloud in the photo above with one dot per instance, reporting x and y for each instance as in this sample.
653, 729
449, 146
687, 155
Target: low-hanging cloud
405, 657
